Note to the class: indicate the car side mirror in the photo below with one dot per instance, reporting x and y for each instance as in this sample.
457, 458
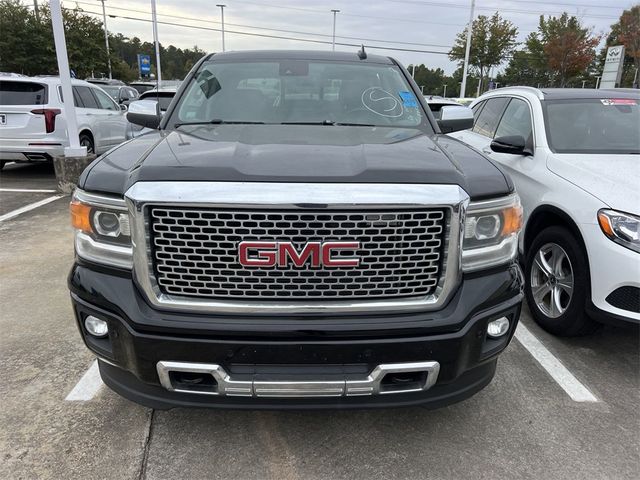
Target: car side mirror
123, 107
512, 144
145, 113
454, 118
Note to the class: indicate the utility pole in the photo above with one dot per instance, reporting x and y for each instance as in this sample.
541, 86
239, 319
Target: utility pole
154, 21
333, 42
35, 10
444, 93
74, 149
106, 37
222, 19
465, 68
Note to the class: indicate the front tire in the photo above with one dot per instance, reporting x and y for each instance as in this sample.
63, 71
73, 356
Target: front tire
557, 283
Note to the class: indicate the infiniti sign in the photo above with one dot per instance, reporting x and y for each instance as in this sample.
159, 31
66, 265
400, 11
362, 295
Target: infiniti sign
283, 254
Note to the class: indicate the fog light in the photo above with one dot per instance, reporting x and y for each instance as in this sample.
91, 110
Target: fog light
498, 327
96, 327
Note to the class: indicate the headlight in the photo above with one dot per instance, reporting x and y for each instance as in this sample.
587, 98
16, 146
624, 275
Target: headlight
491, 233
102, 230
622, 228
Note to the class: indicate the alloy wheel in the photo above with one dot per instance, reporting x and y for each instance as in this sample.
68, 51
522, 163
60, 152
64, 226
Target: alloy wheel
552, 281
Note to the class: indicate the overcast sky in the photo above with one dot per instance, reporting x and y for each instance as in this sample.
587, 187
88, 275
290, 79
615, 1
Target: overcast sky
405, 24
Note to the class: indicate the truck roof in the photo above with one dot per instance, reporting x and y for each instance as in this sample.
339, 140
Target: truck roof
318, 55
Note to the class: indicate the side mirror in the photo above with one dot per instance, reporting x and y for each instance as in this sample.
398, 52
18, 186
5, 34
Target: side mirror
513, 144
145, 113
454, 118
123, 107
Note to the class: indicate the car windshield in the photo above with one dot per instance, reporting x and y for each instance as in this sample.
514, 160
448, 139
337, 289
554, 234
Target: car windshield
112, 91
600, 125
299, 92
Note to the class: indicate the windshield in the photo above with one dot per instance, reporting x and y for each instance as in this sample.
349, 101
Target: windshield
299, 92
112, 91
600, 125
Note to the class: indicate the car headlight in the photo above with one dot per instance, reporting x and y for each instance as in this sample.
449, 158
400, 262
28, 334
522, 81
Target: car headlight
102, 229
491, 233
622, 228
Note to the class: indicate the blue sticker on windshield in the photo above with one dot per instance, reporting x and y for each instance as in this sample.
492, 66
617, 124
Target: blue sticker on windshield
408, 99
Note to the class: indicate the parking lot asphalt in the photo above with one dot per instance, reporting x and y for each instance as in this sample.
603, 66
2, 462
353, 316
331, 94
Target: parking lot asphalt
523, 425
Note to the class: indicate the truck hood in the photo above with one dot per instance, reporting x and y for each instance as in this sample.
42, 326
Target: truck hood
613, 179
296, 153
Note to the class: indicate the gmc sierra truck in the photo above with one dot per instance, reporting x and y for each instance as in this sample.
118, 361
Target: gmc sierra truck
296, 231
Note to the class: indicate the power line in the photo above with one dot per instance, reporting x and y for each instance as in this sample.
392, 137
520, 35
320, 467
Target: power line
280, 37
501, 9
269, 29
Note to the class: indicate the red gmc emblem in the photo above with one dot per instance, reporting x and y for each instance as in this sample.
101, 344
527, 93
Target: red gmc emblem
282, 254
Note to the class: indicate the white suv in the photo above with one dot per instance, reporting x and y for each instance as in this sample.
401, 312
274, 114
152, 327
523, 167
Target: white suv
32, 121
574, 156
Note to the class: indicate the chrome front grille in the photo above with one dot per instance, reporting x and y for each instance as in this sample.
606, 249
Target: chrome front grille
194, 252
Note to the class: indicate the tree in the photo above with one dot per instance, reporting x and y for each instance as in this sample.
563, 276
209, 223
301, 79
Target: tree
564, 46
627, 32
524, 68
26, 46
492, 41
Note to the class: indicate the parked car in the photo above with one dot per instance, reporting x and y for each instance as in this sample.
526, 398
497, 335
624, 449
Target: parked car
121, 94
32, 119
436, 103
142, 87
574, 157
105, 81
270, 248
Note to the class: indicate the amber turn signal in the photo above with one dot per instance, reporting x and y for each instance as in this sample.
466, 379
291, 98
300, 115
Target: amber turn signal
80, 216
512, 219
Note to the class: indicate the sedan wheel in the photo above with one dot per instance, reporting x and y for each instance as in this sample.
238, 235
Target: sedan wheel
87, 141
558, 284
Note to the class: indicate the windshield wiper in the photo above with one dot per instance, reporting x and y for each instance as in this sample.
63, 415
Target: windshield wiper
217, 121
330, 123
323, 122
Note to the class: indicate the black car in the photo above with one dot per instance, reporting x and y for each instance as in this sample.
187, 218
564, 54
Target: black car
296, 232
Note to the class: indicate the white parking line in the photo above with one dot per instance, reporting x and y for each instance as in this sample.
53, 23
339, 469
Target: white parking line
570, 384
26, 208
26, 190
88, 385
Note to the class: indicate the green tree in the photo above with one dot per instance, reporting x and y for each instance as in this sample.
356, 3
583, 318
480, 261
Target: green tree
492, 41
563, 47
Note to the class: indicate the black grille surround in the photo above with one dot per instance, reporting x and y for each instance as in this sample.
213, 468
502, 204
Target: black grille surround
194, 252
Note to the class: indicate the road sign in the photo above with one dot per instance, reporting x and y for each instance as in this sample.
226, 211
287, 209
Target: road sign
612, 72
144, 65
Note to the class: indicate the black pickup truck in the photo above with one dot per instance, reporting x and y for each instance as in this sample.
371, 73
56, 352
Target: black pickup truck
295, 231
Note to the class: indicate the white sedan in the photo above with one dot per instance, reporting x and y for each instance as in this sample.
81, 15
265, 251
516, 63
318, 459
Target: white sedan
33, 125
574, 156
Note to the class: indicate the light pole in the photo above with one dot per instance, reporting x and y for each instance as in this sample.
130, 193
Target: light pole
221, 5
333, 42
154, 20
413, 71
465, 68
74, 149
444, 93
598, 82
583, 82
106, 37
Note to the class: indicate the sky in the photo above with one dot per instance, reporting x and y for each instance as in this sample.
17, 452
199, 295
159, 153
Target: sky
428, 26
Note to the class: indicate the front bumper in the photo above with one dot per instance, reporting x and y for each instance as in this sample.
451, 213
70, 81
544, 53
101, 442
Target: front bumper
309, 347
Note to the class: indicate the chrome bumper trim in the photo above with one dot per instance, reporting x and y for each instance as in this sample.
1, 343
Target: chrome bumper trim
371, 385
